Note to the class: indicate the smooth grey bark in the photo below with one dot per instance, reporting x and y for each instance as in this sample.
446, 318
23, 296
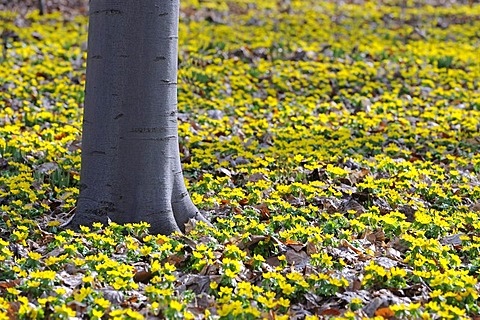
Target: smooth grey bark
41, 7
131, 168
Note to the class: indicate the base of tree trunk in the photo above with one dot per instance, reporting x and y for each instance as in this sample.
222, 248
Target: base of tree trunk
41, 7
131, 170
165, 222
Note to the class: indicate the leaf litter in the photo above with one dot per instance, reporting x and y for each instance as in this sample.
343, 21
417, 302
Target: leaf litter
339, 167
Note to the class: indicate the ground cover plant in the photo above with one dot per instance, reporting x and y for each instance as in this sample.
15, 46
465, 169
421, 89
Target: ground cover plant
334, 146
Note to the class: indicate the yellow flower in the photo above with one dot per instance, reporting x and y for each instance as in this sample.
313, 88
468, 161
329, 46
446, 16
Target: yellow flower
63, 309
103, 303
283, 302
258, 257
34, 255
145, 250
60, 291
97, 313
174, 304
82, 294
287, 288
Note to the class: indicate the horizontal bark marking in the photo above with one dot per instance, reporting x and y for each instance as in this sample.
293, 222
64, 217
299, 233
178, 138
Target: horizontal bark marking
169, 38
118, 116
88, 198
158, 139
97, 153
150, 129
160, 58
110, 12
96, 57
180, 197
163, 14
149, 139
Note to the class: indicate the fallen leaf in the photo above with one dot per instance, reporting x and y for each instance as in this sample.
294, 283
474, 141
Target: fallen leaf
297, 259
290, 242
142, 276
330, 312
385, 312
264, 211
475, 207
453, 239
393, 254
176, 259
370, 308
10, 284
114, 296
311, 248
273, 261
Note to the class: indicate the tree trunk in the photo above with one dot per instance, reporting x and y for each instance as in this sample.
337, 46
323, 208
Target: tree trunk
131, 169
41, 7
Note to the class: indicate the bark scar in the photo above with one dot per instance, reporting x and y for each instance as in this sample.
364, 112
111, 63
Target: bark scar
96, 152
111, 12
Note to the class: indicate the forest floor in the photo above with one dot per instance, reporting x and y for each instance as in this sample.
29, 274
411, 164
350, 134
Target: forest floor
333, 145
66, 7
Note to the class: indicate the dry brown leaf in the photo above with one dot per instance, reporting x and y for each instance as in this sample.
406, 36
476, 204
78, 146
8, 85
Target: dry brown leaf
311, 248
370, 308
330, 312
197, 283
254, 239
290, 242
143, 276
453, 239
114, 296
385, 312
351, 204
71, 280
176, 259
273, 261
393, 254
264, 211
243, 202
344, 243
257, 177
10, 284
475, 207
297, 259
13, 308
357, 176
190, 225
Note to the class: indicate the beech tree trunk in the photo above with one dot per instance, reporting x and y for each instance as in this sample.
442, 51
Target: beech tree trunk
131, 168
41, 7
